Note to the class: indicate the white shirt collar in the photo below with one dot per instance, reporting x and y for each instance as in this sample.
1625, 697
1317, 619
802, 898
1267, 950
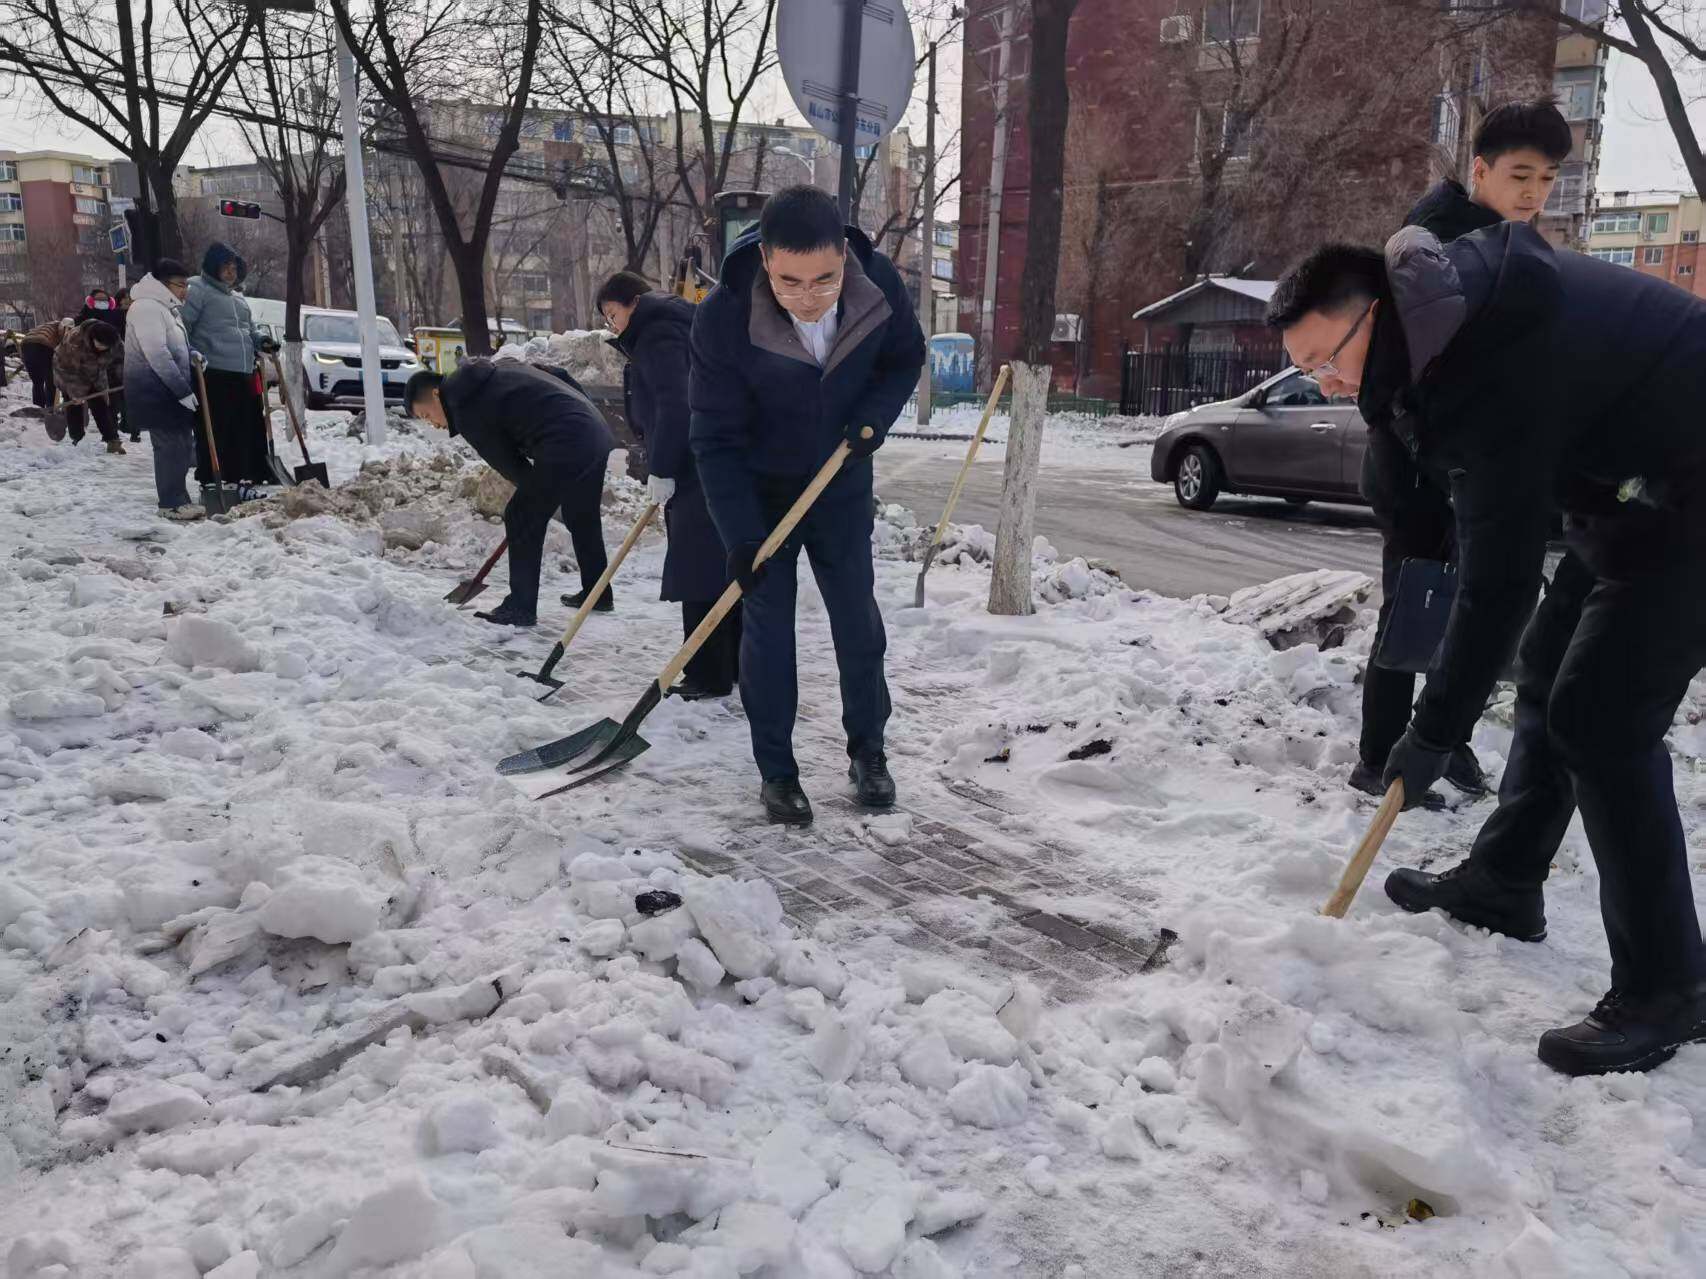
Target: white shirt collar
818, 336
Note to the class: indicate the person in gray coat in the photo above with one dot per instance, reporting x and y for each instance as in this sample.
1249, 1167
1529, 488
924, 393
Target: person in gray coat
216, 317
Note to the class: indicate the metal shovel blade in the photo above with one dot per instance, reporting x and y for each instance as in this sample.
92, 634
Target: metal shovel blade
280, 471
54, 421
463, 592
551, 684
314, 471
918, 591
544, 785
582, 745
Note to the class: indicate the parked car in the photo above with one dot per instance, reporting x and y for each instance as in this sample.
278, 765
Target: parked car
331, 352
1282, 438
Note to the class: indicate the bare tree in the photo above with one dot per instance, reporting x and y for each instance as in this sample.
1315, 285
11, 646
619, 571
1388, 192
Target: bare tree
410, 49
290, 81
1048, 109
108, 70
528, 217
260, 243
1097, 226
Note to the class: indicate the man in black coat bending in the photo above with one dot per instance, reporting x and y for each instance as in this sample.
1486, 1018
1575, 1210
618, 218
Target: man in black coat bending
542, 435
808, 339
1526, 380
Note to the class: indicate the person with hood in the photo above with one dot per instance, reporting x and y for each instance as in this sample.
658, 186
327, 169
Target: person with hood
808, 339
99, 305
537, 429
36, 347
217, 319
1525, 380
159, 386
83, 368
1518, 150
653, 330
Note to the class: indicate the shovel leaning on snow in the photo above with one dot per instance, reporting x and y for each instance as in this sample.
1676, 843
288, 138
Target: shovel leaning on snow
543, 674
463, 592
607, 745
217, 497
310, 469
959, 483
1363, 858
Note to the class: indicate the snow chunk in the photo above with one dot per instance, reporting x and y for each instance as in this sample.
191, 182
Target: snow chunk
990, 1097
602, 938
301, 1235
93, 589
938, 1210
923, 1260
785, 1173
456, 1003
970, 1027
804, 963
464, 1121
155, 1106
211, 1245
393, 1224
39, 1250
578, 1110
201, 1153
838, 1045
1120, 1138
161, 1263
660, 937
735, 917
56, 703
194, 641
1157, 1075
928, 1062
866, 1216
697, 965
756, 1234
324, 899
244, 1265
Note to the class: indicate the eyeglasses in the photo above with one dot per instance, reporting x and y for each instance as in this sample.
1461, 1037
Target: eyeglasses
827, 289
1327, 368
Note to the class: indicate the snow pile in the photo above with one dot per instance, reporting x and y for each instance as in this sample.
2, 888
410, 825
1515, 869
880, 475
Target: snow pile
586, 354
898, 535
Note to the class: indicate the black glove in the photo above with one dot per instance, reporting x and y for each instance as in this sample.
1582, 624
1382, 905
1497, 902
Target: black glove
741, 567
1418, 763
861, 445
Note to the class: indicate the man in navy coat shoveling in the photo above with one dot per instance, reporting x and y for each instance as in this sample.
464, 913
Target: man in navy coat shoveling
808, 338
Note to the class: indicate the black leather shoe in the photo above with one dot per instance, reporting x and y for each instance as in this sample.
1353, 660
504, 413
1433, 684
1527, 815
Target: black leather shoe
1366, 778
691, 690
507, 614
785, 802
606, 602
872, 785
1627, 1034
1471, 896
1463, 771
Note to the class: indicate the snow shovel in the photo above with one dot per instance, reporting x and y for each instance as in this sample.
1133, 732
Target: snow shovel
310, 469
608, 745
218, 497
463, 592
275, 463
54, 419
1363, 858
543, 674
959, 483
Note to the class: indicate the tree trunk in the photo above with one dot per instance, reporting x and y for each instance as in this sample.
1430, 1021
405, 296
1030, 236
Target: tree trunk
291, 385
469, 264
166, 210
1050, 103
1676, 104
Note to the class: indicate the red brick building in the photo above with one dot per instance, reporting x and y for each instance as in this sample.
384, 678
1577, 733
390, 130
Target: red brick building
55, 212
1215, 137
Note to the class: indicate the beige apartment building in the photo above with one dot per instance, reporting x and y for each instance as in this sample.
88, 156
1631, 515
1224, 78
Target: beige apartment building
1654, 232
55, 216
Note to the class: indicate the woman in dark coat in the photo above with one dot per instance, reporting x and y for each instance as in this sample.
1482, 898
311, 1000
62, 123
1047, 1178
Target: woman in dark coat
651, 331
216, 317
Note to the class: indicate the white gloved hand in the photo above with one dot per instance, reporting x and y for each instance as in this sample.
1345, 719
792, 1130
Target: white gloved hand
188, 402
659, 490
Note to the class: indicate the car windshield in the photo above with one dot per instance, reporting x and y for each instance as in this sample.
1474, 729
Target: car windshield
343, 328
1295, 391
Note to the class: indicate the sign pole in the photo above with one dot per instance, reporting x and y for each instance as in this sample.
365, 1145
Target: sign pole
927, 247
361, 250
852, 37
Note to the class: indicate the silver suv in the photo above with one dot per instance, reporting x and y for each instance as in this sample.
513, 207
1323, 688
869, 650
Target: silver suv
1283, 438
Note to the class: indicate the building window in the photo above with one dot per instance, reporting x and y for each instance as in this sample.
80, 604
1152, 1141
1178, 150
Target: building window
1236, 148
1448, 121
1619, 257
88, 177
8, 171
942, 268
1658, 223
1685, 270
1588, 11
1691, 237
945, 236
563, 131
1653, 257
539, 320
10, 201
1227, 20
87, 205
13, 232
806, 146
1578, 92
1616, 223
533, 284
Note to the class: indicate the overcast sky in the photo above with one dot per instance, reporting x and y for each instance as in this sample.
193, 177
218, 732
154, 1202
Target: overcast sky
1639, 152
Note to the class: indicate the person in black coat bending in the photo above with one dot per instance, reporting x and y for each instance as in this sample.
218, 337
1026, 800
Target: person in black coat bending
541, 434
652, 330
808, 338
1526, 380
1518, 150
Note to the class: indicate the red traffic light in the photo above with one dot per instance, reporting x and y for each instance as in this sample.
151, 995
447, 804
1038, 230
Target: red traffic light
239, 209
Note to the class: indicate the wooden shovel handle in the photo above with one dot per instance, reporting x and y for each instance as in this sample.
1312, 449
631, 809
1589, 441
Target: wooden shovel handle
603, 582
207, 427
289, 409
1363, 858
965, 467
778, 535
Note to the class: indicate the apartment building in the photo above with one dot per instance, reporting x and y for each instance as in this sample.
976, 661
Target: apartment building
1579, 83
1654, 232
55, 216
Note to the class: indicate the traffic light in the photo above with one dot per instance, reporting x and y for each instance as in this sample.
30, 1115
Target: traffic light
239, 209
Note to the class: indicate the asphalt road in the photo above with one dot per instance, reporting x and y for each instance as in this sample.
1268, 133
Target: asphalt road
1113, 511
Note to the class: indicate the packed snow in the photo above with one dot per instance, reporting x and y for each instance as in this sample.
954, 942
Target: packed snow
292, 983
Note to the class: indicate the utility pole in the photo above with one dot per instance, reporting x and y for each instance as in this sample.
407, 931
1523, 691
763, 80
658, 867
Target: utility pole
992, 224
927, 230
361, 249
852, 37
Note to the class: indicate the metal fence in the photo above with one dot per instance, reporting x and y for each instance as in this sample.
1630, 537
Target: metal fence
1155, 383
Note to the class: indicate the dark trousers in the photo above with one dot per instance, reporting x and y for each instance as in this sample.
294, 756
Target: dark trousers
1603, 665
173, 445
547, 488
102, 413
717, 663
239, 432
1415, 521
38, 363
836, 537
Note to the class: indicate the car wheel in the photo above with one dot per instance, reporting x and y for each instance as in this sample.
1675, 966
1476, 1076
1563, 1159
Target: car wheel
1197, 481
310, 397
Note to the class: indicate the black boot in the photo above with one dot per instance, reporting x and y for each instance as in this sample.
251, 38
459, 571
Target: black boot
507, 614
785, 802
872, 785
1471, 896
1627, 1034
691, 690
1463, 771
1366, 778
606, 602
